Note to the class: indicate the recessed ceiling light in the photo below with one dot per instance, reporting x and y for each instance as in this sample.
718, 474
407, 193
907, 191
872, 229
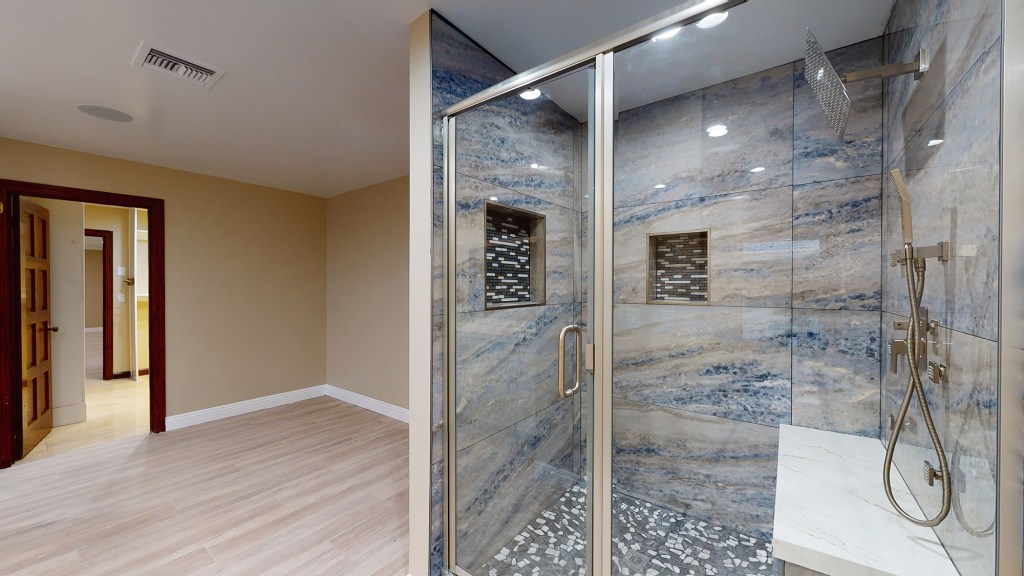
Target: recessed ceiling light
717, 130
494, 198
659, 186
667, 33
712, 20
935, 142
758, 169
531, 94
104, 113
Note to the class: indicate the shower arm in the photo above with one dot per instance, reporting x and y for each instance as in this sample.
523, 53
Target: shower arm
918, 67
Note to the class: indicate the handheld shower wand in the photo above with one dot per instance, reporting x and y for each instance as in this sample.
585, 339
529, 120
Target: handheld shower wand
915, 272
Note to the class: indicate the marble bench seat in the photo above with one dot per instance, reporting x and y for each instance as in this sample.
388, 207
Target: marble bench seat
832, 516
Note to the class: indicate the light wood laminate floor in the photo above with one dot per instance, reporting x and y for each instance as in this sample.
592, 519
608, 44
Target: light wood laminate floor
318, 487
114, 409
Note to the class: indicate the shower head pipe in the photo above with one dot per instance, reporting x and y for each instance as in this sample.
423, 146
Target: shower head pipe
918, 67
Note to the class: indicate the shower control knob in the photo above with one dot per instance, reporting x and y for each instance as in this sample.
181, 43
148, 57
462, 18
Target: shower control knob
936, 372
896, 348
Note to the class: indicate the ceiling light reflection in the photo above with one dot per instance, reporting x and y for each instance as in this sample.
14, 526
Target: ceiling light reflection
667, 34
712, 20
532, 94
758, 169
935, 142
717, 130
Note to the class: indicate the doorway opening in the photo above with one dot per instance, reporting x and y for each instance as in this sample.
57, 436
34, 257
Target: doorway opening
133, 291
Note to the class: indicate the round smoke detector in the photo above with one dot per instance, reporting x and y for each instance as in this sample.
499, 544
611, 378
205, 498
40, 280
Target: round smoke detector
105, 113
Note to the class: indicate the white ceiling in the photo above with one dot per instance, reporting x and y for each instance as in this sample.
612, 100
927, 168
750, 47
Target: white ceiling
315, 96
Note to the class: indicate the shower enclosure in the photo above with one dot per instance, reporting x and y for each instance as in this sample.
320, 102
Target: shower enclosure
666, 322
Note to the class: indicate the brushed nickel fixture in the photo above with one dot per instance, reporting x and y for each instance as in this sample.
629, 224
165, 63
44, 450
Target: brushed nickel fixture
830, 87
915, 348
562, 391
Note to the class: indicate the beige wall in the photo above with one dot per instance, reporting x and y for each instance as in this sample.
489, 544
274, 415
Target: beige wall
116, 221
93, 288
368, 291
245, 273
67, 312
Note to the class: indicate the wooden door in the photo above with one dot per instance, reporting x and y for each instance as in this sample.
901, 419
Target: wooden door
36, 385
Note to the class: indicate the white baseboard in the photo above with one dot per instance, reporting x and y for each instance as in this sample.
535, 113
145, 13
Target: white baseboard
372, 404
94, 330
70, 414
187, 419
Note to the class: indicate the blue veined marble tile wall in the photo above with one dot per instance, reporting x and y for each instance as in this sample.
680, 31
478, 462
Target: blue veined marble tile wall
954, 191
666, 142
730, 362
836, 370
791, 330
518, 446
714, 469
749, 252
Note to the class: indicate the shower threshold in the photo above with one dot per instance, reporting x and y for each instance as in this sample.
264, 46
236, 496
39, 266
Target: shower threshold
647, 540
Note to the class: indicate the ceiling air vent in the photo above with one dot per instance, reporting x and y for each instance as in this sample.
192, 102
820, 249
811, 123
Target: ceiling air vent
163, 61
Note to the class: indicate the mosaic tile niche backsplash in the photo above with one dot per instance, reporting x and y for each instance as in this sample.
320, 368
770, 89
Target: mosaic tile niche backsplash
678, 267
514, 258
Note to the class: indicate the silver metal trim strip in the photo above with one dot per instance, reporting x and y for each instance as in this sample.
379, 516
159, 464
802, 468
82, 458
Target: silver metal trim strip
601, 504
448, 280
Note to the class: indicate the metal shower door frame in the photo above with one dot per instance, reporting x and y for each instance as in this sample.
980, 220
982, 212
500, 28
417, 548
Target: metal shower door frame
601, 56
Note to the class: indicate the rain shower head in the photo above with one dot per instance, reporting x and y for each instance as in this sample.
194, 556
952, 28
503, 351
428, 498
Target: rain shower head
827, 86
901, 191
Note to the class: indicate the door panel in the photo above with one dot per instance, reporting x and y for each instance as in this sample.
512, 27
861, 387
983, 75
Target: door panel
36, 385
518, 263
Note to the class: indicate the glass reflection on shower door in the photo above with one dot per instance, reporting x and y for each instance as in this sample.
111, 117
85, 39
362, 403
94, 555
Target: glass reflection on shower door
701, 318
517, 269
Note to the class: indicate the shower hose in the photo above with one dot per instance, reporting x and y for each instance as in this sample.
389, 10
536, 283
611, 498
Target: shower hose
915, 269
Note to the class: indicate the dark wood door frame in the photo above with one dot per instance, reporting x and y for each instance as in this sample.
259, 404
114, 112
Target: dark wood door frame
108, 298
10, 302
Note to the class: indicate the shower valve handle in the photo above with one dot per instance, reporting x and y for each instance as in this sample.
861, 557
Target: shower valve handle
896, 348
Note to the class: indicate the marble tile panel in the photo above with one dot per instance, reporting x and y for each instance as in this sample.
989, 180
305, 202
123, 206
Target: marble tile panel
836, 370
956, 33
560, 253
460, 67
506, 367
437, 243
436, 388
524, 145
729, 362
436, 517
749, 245
965, 410
667, 142
718, 470
818, 155
508, 479
836, 242
970, 439
954, 191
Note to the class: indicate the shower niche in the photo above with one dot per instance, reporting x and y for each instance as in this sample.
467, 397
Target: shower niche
677, 268
514, 258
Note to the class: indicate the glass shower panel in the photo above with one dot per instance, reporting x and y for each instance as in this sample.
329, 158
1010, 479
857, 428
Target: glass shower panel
519, 394
721, 257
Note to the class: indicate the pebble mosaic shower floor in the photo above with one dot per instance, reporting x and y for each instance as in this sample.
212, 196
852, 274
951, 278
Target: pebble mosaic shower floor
648, 540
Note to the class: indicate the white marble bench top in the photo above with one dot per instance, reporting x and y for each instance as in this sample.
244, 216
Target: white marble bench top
831, 513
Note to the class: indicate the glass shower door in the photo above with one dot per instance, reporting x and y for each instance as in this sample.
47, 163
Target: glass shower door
518, 396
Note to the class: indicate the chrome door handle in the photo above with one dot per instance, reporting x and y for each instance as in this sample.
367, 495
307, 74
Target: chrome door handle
561, 361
